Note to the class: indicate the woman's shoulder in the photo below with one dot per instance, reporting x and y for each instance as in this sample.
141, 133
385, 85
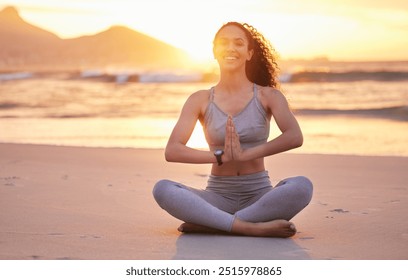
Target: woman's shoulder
200, 96
198, 101
265, 91
269, 94
202, 93
271, 98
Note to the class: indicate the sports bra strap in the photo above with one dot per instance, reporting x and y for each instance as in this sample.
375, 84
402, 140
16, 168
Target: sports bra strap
212, 94
255, 91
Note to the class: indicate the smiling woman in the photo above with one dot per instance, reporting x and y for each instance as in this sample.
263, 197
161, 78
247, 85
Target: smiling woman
236, 115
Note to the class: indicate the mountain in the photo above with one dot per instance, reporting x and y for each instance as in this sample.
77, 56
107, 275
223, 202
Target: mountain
123, 46
22, 42
27, 47
12, 26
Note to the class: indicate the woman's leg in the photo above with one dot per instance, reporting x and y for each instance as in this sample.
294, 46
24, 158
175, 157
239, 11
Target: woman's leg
200, 216
185, 204
270, 214
283, 202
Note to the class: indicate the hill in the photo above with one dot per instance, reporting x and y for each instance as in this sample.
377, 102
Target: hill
27, 47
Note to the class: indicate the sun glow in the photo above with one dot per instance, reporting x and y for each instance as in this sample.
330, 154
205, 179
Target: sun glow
298, 29
197, 139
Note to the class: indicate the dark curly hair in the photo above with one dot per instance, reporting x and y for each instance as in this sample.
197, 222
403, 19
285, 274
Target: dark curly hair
262, 69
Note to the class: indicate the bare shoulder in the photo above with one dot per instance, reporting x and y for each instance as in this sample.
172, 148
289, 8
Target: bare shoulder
200, 96
271, 97
269, 92
197, 102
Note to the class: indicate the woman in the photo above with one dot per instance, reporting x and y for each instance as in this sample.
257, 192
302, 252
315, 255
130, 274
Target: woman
235, 114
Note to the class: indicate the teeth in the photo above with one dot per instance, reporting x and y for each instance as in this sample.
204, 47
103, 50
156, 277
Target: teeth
230, 57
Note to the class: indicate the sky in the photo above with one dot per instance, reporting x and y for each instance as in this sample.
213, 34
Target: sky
358, 30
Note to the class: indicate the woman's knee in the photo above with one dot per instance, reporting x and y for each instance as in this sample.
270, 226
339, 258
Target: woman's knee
305, 186
301, 187
160, 189
305, 182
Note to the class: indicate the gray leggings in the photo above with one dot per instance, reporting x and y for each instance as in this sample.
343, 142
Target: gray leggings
249, 197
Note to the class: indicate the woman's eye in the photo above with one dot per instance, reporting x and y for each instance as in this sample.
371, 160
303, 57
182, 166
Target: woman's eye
223, 43
220, 42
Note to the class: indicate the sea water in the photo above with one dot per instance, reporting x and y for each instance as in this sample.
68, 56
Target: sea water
362, 116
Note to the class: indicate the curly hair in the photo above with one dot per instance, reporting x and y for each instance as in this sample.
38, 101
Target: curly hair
262, 69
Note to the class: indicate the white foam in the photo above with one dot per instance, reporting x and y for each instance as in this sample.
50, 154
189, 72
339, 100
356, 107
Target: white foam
169, 77
91, 73
15, 76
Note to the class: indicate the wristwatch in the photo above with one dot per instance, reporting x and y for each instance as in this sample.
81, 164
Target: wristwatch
218, 154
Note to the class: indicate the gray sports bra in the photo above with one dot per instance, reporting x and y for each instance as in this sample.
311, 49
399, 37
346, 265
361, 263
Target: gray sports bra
251, 123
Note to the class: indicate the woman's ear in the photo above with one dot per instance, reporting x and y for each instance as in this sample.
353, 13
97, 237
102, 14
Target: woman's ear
250, 54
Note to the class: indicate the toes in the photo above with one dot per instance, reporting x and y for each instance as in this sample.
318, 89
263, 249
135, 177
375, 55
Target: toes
181, 228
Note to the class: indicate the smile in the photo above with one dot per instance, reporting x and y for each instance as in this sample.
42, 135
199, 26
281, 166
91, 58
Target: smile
230, 58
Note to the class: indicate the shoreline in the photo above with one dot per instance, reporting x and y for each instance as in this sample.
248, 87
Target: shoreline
296, 151
323, 135
300, 153
62, 202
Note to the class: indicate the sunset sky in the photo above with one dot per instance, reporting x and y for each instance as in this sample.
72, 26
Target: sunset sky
337, 29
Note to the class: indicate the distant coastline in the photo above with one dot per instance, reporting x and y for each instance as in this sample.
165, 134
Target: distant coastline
26, 48
298, 73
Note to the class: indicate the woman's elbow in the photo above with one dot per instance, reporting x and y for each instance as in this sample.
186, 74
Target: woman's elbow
297, 140
169, 155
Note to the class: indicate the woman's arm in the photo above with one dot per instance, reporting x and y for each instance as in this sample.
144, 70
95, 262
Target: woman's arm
291, 136
176, 149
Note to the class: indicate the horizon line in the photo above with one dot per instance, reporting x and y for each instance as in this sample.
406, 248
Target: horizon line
323, 57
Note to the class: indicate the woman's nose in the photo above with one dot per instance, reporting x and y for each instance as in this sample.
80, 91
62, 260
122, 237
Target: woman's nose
230, 46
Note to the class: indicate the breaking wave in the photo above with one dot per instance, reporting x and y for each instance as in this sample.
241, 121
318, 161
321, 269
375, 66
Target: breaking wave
350, 76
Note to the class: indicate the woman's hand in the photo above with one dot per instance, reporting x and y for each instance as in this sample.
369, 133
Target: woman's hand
233, 150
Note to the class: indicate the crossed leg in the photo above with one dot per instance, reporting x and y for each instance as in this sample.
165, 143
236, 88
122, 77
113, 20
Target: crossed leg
267, 217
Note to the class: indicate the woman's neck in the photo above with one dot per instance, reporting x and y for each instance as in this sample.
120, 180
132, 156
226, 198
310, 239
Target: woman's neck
234, 82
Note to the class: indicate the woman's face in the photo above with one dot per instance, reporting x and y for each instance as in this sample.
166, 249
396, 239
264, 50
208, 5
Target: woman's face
231, 48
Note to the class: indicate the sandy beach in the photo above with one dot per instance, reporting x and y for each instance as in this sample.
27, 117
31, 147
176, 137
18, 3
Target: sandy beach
96, 203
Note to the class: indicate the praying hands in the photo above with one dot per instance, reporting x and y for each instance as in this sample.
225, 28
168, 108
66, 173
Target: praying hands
232, 148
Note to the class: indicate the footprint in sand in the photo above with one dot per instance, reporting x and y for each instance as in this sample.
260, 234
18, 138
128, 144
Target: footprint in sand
65, 258
339, 210
91, 236
394, 201
80, 236
10, 181
306, 238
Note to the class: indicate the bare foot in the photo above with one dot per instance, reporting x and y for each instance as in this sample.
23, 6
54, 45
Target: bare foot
194, 228
276, 228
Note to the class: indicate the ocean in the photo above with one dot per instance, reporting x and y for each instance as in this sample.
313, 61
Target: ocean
348, 108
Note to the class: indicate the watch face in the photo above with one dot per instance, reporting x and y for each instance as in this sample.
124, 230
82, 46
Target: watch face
218, 152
